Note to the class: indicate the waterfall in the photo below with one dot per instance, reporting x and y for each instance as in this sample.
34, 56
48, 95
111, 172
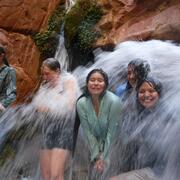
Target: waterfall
70, 4
164, 59
61, 53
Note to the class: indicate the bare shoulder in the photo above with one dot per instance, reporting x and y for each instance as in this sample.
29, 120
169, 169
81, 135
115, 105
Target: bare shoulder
69, 78
70, 83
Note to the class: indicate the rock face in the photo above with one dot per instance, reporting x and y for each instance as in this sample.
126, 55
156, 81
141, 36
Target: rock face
18, 20
139, 20
123, 20
23, 55
25, 15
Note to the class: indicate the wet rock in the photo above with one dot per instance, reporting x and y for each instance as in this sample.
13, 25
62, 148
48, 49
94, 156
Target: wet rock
24, 56
35, 14
19, 19
139, 20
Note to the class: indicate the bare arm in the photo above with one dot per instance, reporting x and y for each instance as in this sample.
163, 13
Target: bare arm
71, 92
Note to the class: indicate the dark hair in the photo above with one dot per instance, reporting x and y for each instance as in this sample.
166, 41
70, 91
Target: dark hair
52, 64
100, 71
153, 82
2, 51
141, 68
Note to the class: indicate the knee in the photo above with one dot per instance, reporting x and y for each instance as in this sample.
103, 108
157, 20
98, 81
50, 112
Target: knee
46, 175
57, 176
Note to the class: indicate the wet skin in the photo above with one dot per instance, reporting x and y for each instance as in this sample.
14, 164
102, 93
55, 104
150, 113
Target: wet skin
147, 95
96, 84
49, 75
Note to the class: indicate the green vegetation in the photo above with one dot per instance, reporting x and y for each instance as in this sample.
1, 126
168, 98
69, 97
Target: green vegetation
47, 40
80, 23
80, 32
87, 35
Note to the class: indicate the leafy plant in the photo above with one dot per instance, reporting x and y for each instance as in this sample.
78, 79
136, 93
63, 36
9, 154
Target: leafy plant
47, 40
80, 22
87, 34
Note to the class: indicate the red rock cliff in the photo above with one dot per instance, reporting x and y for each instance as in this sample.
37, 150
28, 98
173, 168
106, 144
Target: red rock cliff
18, 19
139, 20
123, 20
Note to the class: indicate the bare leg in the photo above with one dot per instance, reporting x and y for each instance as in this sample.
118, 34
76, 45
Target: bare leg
45, 159
58, 160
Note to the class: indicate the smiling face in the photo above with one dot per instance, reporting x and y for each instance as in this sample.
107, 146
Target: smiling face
96, 84
147, 95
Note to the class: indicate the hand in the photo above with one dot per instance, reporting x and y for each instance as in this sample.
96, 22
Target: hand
2, 108
99, 165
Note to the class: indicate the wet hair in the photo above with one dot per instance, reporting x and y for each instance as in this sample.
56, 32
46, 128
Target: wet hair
52, 64
2, 51
141, 68
153, 82
104, 75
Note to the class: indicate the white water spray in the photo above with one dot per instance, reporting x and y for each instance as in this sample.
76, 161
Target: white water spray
61, 53
70, 4
164, 58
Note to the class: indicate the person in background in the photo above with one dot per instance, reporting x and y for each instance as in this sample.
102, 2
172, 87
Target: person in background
7, 82
99, 111
146, 161
137, 70
55, 101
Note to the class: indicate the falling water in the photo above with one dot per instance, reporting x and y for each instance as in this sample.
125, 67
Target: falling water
21, 118
61, 53
70, 4
164, 58
25, 124
161, 55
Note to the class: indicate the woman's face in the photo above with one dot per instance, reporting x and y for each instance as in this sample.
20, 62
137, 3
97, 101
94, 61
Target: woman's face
49, 75
96, 84
147, 95
131, 76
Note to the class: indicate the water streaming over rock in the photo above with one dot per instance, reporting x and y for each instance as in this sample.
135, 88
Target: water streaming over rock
70, 4
61, 53
164, 124
25, 128
164, 58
